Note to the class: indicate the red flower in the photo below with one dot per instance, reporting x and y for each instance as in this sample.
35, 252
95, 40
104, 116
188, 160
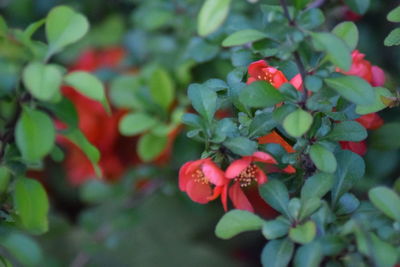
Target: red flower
363, 68
203, 181
359, 148
371, 121
260, 70
245, 173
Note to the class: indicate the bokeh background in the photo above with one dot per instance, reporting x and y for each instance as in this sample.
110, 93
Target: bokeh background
136, 215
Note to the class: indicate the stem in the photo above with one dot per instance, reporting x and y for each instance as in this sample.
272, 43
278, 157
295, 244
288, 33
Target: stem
8, 135
299, 62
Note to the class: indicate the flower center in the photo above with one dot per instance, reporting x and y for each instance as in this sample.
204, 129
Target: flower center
199, 177
247, 176
267, 77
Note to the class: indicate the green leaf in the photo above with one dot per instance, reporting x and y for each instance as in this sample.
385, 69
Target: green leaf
211, 16
241, 145
22, 247
243, 37
309, 255
275, 228
353, 88
277, 253
347, 131
64, 26
394, 15
386, 137
42, 81
336, 49
87, 84
358, 6
162, 88
34, 134
91, 152
297, 123
135, 123
386, 200
323, 159
204, 100
275, 193
303, 233
308, 207
260, 94
300, 4
348, 32
393, 38
310, 18
31, 205
65, 111
317, 186
5, 176
294, 208
123, 91
150, 146
347, 204
313, 83
352, 168
95, 191
377, 105
237, 221
262, 124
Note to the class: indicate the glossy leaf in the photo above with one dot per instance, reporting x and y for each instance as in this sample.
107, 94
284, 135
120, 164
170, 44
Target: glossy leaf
277, 253
323, 159
386, 200
347, 131
237, 221
260, 94
243, 37
241, 145
348, 32
352, 88
204, 100
275, 228
297, 123
275, 193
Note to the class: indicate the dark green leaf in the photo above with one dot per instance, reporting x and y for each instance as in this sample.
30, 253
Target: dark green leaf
309, 255
260, 94
347, 131
275, 194
277, 253
353, 88
275, 228
317, 186
237, 221
358, 6
308, 207
241, 145
323, 159
297, 123
347, 204
204, 100
22, 247
31, 205
310, 18
386, 200
5, 176
211, 16
262, 124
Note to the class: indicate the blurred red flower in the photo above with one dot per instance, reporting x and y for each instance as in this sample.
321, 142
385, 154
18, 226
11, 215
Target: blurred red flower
203, 181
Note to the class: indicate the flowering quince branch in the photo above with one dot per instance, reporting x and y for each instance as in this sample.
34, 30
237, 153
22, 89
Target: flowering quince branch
289, 152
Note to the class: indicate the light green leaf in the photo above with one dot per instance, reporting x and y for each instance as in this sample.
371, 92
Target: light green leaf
260, 94
377, 105
87, 84
43, 81
323, 159
386, 200
394, 15
31, 205
353, 88
317, 186
162, 88
303, 233
358, 6
34, 134
22, 247
212, 15
64, 26
150, 146
243, 37
393, 38
297, 123
348, 32
135, 123
5, 176
237, 221
336, 49
277, 253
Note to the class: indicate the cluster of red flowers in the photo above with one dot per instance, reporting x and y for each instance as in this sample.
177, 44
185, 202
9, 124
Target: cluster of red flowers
204, 181
100, 128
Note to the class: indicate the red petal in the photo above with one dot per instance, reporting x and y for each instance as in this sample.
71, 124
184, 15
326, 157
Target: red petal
224, 197
213, 173
378, 76
183, 176
261, 176
297, 81
237, 167
216, 192
239, 199
198, 192
263, 157
255, 69
289, 169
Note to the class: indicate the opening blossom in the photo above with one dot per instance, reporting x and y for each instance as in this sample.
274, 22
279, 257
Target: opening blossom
260, 70
203, 181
